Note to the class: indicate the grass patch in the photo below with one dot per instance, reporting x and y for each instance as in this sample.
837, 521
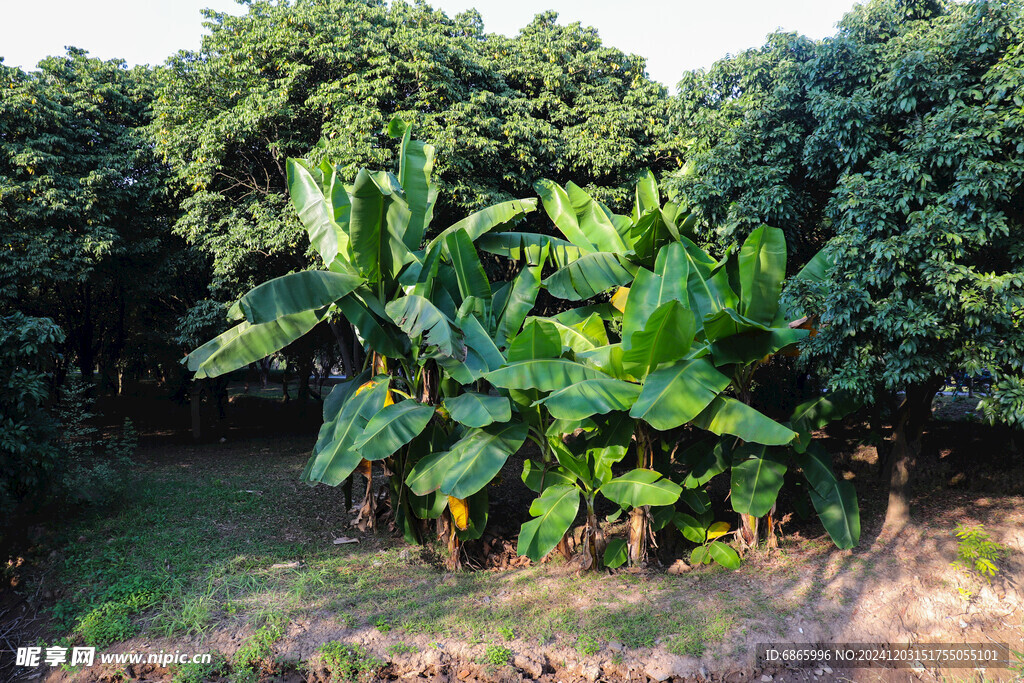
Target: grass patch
342, 663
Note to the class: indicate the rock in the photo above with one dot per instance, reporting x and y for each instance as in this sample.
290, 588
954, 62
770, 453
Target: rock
827, 669
679, 567
766, 677
590, 672
616, 645
528, 665
819, 672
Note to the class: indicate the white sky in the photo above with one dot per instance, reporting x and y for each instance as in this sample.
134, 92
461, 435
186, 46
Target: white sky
673, 36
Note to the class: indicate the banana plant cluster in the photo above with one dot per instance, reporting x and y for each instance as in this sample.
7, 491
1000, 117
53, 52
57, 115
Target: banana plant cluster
459, 375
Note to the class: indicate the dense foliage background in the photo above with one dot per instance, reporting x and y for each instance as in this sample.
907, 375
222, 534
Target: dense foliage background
136, 203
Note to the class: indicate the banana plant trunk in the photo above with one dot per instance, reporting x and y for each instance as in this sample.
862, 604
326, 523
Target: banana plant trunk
639, 518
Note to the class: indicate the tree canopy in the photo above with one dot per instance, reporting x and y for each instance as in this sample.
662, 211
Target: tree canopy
502, 112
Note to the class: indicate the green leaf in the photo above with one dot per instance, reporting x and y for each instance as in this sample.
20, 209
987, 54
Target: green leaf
538, 339
555, 511
837, 508
290, 294
711, 462
369, 244
537, 479
246, 343
370, 328
607, 359
479, 223
762, 263
726, 322
724, 555
530, 246
747, 347
426, 476
818, 412
646, 196
335, 457
315, 212
480, 455
468, 269
415, 164
521, 298
591, 397
648, 292
561, 212
674, 395
546, 374
691, 529
666, 336
420, 319
757, 474
615, 553
392, 428
641, 487
728, 416
589, 275
595, 221
817, 268
478, 410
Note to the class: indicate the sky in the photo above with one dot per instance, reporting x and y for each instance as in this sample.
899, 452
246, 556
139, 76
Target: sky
674, 36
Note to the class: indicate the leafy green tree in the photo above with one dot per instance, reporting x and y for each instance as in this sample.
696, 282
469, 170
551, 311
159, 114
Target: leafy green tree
85, 217
897, 141
501, 113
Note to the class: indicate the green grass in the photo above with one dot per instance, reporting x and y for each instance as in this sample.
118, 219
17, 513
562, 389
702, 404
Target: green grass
193, 550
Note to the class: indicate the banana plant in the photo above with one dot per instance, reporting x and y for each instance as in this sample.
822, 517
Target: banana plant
415, 308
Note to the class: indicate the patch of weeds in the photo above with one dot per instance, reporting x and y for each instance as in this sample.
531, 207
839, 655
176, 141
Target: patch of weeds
191, 615
497, 655
255, 657
343, 663
382, 624
194, 672
977, 552
587, 644
506, 632
402, 649
109, 623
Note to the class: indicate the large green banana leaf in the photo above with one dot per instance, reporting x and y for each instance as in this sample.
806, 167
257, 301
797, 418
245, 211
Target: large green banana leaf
477, 457
666, 336
478, 410
560, 210
483, 221
426, 476
393, 427
294, 293
586, 335
646, 197
708, 459
420, 319
538, 339
315, 213
468, 269
747, 347
591, 397
726, 415
589, 275
608, 359
646, 294
246, 343
336, 457
369, 237
595, 221
521, 298
676, 394
370, 327
762, 268
640, 487
530, 246
538, 479
554, 511
545, 374
415, 164
757, 476
835, 500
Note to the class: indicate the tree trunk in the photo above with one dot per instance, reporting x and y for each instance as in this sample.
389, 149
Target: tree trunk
195, 400
341, 335
908, 426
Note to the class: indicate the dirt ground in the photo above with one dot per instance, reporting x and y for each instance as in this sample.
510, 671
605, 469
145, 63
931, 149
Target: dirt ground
887, 590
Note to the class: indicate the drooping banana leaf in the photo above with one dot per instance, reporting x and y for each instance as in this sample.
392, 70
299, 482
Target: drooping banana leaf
479, 456
676, 394
554, 512
726, 415
477, 410
246, 343
757, 475
393, 427
306, 290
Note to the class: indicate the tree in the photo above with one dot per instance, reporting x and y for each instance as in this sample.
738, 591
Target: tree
897, 141
85, 214
501, 113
